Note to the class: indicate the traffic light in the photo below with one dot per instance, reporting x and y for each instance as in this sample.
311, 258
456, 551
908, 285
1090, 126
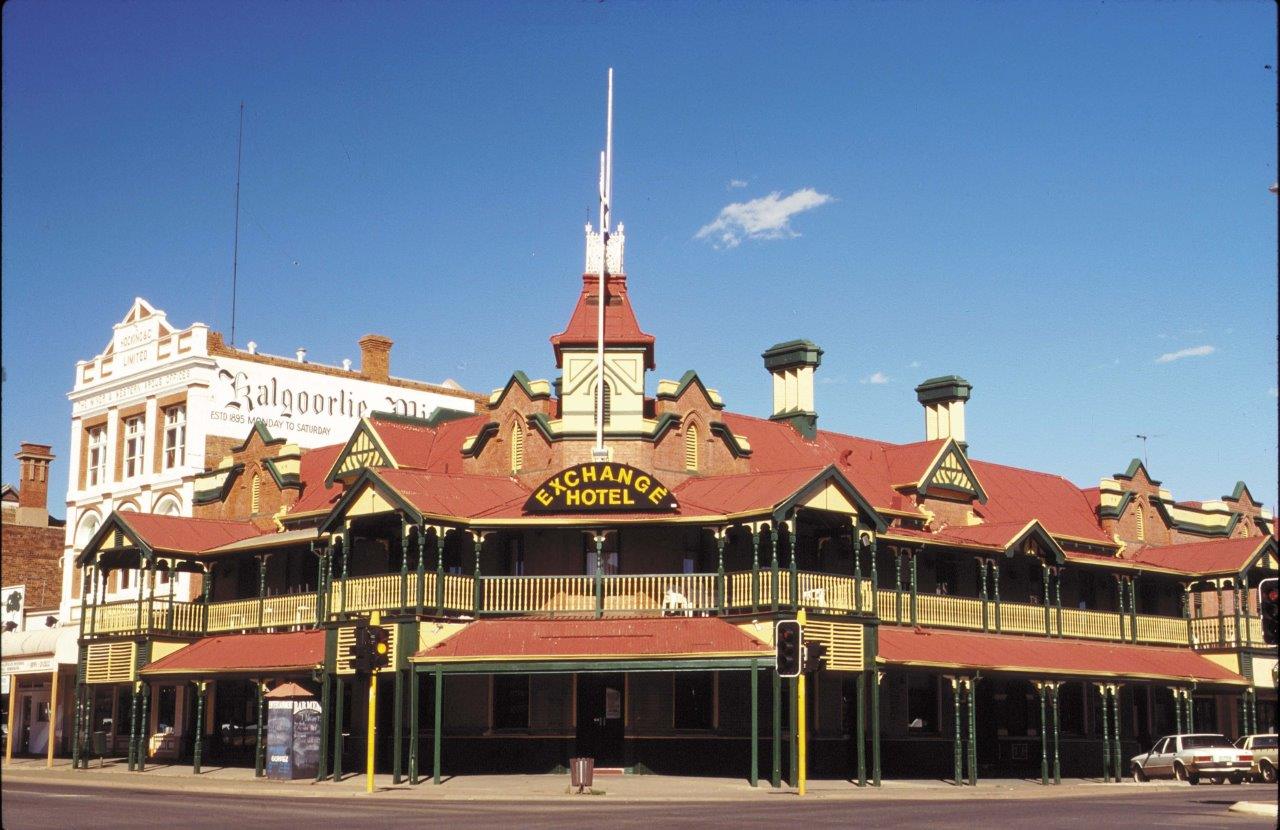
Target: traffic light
1267, 602
814, 651
361, 648
380, 654
787, 639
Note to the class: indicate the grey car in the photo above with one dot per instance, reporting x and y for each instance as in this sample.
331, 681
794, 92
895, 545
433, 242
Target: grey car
1192, 757
1263, 748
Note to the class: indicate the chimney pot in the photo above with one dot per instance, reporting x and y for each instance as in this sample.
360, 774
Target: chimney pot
253, 347
375, 357
302, 355
792, 365
943, 399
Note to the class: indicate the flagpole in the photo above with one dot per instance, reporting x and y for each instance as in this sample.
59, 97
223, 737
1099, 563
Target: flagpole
606, 194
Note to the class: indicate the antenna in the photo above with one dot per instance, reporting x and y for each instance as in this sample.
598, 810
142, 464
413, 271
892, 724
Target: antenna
235, 248
606, 195
1144, 439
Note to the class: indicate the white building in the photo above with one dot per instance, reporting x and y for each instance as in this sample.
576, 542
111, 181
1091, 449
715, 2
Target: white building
160, 405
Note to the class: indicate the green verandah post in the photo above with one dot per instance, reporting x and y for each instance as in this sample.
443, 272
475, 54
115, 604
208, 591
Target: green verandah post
439, 570
198, 750
339, 706
755, 568
876, 676
435, 737
1106, 737
421, 570
326, 713
397, 728
414, 681
143, 734
776, 777
259, 747
956, 691
1044, 738
755, 722
861, 726
1116, 760
971, 683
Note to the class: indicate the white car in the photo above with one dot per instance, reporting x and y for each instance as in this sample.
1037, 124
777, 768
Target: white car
1263, 748
1192, 757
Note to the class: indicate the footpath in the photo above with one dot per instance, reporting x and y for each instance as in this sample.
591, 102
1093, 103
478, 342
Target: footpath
241, 781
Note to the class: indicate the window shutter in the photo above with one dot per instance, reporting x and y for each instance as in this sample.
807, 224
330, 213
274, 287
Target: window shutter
691, 447
517, 448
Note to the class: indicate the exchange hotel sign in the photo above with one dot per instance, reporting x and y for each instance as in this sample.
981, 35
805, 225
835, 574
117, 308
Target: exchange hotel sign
307, 408
601, 486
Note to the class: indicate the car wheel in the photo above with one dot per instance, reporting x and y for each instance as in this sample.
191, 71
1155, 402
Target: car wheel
1180, 772
1236, 779
1139, 777
1268, 772
1215, 779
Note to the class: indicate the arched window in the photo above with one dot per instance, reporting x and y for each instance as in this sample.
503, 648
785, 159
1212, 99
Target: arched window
168, 506
691, 447
255, 494
88, 526
517, 448
595, 401
1140, 519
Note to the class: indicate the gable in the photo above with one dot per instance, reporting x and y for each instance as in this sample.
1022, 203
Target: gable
951, 473
363, 450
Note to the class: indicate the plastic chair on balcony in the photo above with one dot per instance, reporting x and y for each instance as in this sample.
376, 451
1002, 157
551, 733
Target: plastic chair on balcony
675, 602
816, 597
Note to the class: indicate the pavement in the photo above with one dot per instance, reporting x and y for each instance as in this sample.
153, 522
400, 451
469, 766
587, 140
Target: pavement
631, 788
35, 799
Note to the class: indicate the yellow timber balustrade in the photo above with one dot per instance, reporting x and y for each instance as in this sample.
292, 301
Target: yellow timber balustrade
662, 594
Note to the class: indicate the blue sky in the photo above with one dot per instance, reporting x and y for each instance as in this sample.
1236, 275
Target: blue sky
1043, 197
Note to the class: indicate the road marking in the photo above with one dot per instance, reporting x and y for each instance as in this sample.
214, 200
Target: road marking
45, 794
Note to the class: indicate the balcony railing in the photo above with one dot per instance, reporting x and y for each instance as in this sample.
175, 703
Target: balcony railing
656, 595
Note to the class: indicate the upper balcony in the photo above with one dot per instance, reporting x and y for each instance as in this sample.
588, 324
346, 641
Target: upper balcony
738, 593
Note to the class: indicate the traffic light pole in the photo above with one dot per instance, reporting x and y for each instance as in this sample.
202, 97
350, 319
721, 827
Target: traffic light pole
375, 619
801, 729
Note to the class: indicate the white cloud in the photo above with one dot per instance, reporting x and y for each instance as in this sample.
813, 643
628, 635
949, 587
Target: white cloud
734, 183
876, 378
768, 217
1194, 351
915, 364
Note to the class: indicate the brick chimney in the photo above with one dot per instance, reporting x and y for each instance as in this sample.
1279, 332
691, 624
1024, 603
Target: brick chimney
375, 357
33, 485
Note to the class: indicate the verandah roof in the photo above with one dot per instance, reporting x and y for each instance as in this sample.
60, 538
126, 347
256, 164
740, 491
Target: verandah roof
540, 644
1038, 656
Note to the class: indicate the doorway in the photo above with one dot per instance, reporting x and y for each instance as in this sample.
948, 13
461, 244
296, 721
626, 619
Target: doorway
32, 722
601, 703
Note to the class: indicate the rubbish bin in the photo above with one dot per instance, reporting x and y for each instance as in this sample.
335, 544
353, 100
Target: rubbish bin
581, 772
99, 747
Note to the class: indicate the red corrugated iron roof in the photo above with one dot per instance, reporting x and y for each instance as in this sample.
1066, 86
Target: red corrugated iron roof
615, 639
463, 496
988, 652
741, 493
315, 465
245, 654
995, 534
183, 534
909, 462
620, 325
1214, 556
420, 447
1018, 495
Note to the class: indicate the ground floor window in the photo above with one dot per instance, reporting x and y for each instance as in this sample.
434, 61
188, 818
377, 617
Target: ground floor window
511, 701
104, 702
922, 704
166, 708
694, 700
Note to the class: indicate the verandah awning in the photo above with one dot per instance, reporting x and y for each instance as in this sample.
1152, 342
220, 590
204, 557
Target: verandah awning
540, 645
1048, 657
243, 655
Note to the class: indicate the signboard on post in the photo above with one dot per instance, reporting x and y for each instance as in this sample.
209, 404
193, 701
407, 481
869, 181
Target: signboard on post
599, 487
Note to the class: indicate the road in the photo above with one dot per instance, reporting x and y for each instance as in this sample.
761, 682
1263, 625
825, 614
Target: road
56, 806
